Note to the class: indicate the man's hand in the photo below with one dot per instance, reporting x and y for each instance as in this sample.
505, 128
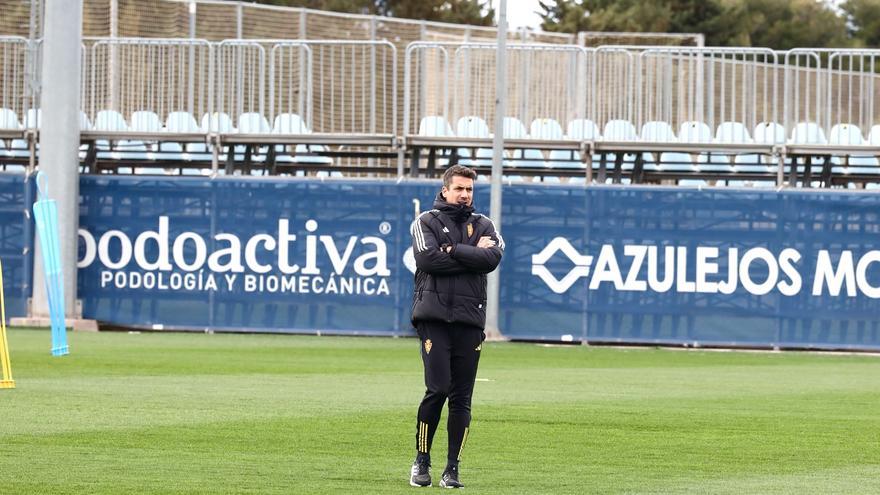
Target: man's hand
485, 242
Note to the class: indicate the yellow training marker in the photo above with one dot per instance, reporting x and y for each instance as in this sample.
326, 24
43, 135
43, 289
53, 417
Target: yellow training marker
6, 380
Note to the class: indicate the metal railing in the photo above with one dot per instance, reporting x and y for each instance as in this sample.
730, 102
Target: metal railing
18, 75
818, 102
457, 80
709, 85
155, 75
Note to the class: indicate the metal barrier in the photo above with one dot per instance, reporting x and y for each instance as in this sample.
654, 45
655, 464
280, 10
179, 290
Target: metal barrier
613, 82
290, 81
155, 75
344, 94
805, 88
17, 73
708, 85
853, 84
354, 88
343, 91
240, 79
457, 81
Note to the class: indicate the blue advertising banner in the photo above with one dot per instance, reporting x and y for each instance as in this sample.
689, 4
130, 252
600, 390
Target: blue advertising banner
703, 267
265, 255
601, 264
16, 241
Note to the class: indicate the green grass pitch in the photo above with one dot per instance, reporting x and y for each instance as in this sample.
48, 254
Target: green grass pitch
194, 413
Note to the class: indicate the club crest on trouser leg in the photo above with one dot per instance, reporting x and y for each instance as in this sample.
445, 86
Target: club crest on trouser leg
428, 345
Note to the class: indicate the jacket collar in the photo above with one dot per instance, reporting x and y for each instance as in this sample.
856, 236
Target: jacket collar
459, 213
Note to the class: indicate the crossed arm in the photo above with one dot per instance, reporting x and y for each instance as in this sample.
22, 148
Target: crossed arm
459, 258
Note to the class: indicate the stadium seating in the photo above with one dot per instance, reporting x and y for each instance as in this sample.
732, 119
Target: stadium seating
293, 124
217, 122
806, 133
851, 135
145, 121
581, 130
726, 133
109, 121
661, 132
9, 119
435, 126
289, 123
617, 130
180, 122
544, 130
17, 148
473, 127
765, 133
514, 129
252, 123
32, 118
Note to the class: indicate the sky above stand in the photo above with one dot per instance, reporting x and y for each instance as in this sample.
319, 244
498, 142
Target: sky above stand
521, 13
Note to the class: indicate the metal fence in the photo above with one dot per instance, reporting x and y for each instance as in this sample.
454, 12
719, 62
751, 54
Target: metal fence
240, 80
457, 80
707, 85
354, 87
156, 75
18, 64
336, 87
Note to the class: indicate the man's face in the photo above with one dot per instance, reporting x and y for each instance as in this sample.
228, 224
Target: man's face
460, 191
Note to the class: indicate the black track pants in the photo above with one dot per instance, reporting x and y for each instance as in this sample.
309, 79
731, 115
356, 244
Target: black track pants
450, 354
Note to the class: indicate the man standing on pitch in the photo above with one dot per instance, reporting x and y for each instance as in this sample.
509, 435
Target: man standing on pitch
454, 249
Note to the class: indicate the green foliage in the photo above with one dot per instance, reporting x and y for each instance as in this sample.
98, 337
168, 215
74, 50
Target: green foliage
454, 11
475, 12
864, 18
778, 24
785, 24
349, 6
159, 413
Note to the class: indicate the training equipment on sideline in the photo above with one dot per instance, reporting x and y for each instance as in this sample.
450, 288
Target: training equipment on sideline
6, 380
46, 217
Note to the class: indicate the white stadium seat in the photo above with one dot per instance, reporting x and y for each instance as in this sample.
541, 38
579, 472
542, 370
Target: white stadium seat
217, 122
732, 132
473, 127
851, 135
289, 123
9, 119
807, 133
661, 132
145, 121
435, 126
252, 123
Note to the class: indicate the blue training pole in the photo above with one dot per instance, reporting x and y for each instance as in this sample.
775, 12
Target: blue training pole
46, 218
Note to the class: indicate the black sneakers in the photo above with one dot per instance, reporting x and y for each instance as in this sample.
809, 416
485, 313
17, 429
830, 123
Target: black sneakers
420, 474
450, 478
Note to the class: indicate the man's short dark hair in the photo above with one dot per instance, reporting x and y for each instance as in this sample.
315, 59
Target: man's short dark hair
460, 170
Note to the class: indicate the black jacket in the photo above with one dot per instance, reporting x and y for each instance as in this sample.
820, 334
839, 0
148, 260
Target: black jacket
451, 287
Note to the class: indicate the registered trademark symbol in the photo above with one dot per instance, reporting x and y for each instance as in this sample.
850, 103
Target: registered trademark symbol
384, 228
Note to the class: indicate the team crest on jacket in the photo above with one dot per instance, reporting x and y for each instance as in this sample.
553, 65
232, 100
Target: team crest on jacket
428, 346
470, 229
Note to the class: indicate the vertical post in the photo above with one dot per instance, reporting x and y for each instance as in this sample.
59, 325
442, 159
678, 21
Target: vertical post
239, 21
114, 55
371, 162
114, 18
191, 65
494, 286
33, 83
59, 150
